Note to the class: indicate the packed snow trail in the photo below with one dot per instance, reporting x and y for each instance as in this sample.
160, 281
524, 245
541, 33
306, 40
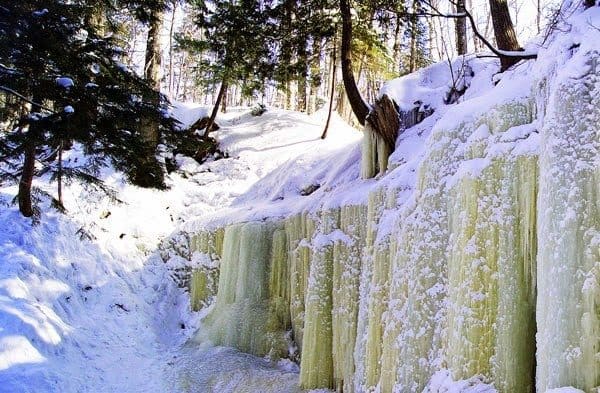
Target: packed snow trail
86, 302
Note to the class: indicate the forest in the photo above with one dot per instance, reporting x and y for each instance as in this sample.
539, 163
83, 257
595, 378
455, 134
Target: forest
71, 69
300, 196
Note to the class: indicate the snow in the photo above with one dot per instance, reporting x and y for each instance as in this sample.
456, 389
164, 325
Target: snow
188, 113
65, 82
86, 304
442, 382
40, 13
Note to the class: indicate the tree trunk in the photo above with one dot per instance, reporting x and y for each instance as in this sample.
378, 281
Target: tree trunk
315, 75
24, 196
538, 15
171, 31
213, 115
149, 173
397, 48
224, 101
286, 52
504, 31
333, 72
359, 107
385, 121
302, 74
59, 175
153, 58
152, 62
288, 96
97, 19
460, 25
414, 36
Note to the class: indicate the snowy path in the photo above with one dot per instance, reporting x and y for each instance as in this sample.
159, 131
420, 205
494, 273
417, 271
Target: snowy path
101, 314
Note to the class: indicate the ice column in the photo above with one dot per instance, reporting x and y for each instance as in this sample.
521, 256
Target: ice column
299, 230
568, 307
243, 314
347, 256
316, 368
491, 269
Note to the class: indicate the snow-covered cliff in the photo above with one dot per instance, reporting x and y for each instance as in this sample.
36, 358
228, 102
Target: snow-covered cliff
476, 255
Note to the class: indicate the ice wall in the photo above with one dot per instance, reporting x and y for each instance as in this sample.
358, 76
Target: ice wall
485, 269
381, 296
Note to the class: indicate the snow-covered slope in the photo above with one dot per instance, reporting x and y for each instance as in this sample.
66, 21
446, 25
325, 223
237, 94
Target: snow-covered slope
85, 302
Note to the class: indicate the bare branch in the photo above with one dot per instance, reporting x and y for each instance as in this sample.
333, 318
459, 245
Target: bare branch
500, 53
22, 97
521, 55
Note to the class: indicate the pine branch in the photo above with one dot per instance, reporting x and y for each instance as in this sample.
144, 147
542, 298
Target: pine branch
22, 97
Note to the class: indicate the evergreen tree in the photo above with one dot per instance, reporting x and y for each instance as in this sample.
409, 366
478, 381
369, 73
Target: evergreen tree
235, 45
75, 90
303, 25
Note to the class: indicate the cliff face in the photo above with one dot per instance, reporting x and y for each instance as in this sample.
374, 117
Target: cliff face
485, 263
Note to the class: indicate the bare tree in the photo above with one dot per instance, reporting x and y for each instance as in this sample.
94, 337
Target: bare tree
504, 31
460, 25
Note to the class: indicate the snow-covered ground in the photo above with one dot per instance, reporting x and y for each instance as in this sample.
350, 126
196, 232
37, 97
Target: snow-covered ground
86, 303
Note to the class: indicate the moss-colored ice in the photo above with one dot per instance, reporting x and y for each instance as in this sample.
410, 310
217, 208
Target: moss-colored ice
491, 275
243, 316
375, 154
316, 367
204, 280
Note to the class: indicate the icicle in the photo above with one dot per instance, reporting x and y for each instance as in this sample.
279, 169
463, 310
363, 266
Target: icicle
299, 230
279, 283
347, 256
316, 368
375, 275
491, 327
242, 316
375, 154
